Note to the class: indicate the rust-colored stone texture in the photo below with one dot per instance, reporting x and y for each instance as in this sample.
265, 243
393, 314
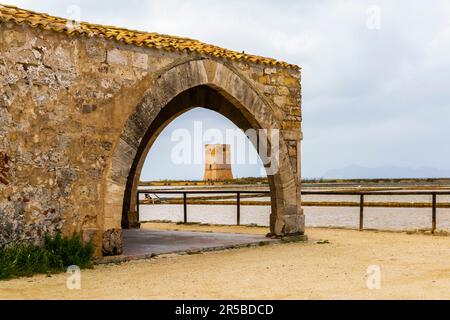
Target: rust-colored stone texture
74, 118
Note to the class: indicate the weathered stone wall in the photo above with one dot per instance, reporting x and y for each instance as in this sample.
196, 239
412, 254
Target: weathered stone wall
64, 101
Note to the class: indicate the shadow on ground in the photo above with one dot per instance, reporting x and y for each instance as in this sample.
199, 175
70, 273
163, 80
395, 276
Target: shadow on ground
140, 242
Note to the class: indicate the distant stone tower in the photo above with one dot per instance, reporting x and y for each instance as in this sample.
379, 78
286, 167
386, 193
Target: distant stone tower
218, 162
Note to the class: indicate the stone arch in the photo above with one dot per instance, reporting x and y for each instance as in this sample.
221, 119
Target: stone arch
198, 83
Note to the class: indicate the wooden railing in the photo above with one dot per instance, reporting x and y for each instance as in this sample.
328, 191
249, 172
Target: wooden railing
362, 197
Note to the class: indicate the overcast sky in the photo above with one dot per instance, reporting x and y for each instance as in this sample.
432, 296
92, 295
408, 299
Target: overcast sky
376, 74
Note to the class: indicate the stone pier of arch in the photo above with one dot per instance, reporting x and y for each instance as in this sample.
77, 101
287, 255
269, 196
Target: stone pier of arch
80, 107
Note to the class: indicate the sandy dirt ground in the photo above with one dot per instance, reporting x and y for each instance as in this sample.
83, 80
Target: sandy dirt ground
412, 267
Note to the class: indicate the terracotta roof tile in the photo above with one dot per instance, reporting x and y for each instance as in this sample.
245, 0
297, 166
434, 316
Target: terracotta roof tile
133, 37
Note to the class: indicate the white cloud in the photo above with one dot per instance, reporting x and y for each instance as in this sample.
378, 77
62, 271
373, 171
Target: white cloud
381, 89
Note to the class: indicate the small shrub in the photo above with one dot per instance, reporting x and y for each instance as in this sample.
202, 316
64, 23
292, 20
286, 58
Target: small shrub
69, 251
26, 259
23, 259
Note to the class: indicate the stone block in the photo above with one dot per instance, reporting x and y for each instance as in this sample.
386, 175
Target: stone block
112, 242
271, 90
290, 125
140, 60
291, 82
280, 100
95, 51
292, 151
294, 224
294, 135
90, 236
270, 70
283, 91
117, 56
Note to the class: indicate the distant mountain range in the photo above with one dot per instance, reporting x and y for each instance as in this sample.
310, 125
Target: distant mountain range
390, 172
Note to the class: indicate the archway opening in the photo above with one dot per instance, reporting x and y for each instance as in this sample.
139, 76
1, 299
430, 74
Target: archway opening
172, 149
202, 151
179, 152
227, 90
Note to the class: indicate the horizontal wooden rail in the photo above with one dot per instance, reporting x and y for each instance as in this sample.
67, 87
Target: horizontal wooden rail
362, 199
203, 192
377, 193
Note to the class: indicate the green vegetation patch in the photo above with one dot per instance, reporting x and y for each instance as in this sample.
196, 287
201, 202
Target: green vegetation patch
57, 253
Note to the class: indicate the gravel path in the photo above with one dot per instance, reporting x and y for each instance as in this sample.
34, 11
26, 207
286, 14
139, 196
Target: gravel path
412, 267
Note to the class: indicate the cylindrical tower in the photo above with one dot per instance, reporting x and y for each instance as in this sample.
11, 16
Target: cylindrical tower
218, 162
